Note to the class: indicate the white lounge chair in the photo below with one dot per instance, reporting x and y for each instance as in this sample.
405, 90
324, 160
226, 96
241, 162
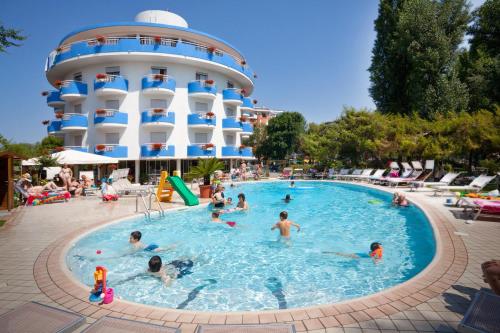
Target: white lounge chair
444, 181
125, 187
331, 173
394, 167
356, 172
342, 173
475, 186
376, 175
364, 174
413, 176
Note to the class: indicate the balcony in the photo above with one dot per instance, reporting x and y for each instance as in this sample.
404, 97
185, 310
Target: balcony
158, 118
198, 121
157, 150
73, 90
247, 104
247, 128
163, 47
201, 150
158, 85
108, 118
54, 127
74, 122
231, 125
54, 99
238, 152
232, 96
110, 150
83, 149
106, 85
205, 89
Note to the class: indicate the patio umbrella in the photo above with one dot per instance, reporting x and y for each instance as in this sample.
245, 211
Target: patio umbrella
75, 157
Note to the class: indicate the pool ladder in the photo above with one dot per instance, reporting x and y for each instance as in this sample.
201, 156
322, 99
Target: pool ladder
147, 202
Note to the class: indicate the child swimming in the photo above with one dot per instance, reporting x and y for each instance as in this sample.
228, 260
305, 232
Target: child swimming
292, 184
173, 270
287, 199
284, 225
135, 240
376, 252
216, 219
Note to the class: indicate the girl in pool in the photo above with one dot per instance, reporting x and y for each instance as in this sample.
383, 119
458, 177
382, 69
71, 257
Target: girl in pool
242, 203
376, 252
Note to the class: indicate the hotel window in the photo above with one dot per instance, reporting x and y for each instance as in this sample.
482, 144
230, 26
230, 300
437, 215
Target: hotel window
77, 140
201, 137
230, 85
230, 140
201, 76
158, 137
159, 70
112, 138
200, 107
230, 112
112, 104
158, 103
77, 108
78, 77
114, 70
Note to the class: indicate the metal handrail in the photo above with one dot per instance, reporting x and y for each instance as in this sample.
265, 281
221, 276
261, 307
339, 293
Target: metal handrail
152, 77
149, 208
108, 113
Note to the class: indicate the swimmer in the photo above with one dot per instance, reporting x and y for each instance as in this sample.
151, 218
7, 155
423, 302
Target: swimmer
284, 225
135, 240
399, 199
287, 198
242, 203
232, 185
292, 184
173, 270
376, 252
216, 218
229, 201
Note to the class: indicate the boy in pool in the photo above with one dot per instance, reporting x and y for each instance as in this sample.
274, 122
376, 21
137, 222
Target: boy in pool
284, 225
216, 218
376, 252
242, 202
292, 184
173, 270
287, 198
135, 240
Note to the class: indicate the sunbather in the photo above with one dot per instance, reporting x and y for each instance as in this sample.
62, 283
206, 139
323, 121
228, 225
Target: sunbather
66, 174
491, 274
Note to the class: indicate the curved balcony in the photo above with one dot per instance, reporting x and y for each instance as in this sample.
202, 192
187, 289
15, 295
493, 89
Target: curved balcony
232, 96
198, 121
205, 89
108, 118
247, 129
231, 125
158, 118
74, 122
54, 127
247, 105
157, 150
201, 150
109, 150
54, 99
238, 152
158, 85
147, 44
73, 90
83, 149
110, 85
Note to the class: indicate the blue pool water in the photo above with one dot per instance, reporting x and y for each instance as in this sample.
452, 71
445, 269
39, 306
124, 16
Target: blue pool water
246, 268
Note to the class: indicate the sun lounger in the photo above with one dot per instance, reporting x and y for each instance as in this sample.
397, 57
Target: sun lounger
394, 169
444, 181
287, 172
482, 314
356, 172
331, 173
416, 171
365, 173
117, 325
478, 207
34, 317
125, 187
377, 176
342, 172
475, 186
262, 328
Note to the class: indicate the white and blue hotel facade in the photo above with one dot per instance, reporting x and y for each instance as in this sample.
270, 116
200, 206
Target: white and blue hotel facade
153, 93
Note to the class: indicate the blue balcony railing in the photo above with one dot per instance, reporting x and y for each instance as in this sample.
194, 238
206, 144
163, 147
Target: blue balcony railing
201, 87
83, 149
247, 103
115, 82
158, 82
152, 117
147, 44
74, 121
73, 90
233, 151
108, 150
247, 128
231, 124
199, 151
54, 127
232, 95
150, 150
111, 117
54, 98
199, 120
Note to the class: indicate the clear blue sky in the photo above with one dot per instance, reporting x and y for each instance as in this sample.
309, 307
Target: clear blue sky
310, 56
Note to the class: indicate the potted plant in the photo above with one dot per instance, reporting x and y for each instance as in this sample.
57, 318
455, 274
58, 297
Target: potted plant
101, 76
100, 147
158, 110
100, 39
157, 39
242, 147
243, 62
59, 115
243, 119
45, 122
243, 92
59, 149
205, 169
100, 112
45, 93
159, 77
255, 76
211, 49
209, 114
208, 146
209, 82
254, 101
156, 146
58, 83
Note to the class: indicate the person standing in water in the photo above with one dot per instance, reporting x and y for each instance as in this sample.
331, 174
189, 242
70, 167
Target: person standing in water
284, 225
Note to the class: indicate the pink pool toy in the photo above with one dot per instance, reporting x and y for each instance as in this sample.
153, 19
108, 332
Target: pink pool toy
108, 296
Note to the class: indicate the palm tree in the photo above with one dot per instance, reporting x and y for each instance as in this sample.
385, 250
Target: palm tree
205, 169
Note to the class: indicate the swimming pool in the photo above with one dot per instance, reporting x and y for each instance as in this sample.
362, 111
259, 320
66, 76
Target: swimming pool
246, 268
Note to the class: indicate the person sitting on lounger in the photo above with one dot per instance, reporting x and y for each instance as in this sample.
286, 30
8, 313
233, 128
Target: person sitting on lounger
175, 269
75, 188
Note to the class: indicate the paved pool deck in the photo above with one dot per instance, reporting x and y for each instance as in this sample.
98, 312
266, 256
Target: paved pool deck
34, 241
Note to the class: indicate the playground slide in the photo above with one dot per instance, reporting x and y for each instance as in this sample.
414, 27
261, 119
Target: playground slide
189, 198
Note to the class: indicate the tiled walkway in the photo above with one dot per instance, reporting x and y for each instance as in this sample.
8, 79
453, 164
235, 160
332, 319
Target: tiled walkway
31, 268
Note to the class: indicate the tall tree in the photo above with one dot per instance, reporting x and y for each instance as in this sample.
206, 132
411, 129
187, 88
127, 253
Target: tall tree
8, 36
413, 64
